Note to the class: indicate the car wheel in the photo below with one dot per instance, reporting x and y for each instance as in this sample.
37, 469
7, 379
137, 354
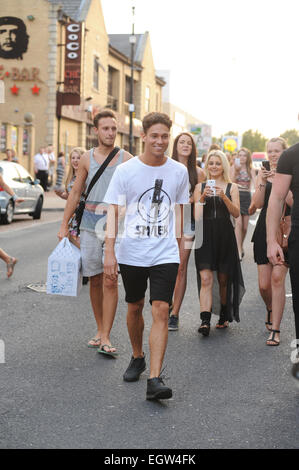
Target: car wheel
38, 209
7, 217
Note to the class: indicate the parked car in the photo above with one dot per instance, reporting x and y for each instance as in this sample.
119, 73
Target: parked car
257, 158
25, 187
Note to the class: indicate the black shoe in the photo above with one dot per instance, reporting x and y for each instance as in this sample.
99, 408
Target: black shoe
136, 367
223, 321
157, 390
173, 323
204, 328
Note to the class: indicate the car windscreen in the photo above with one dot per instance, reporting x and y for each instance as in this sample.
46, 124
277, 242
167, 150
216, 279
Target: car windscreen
10, 173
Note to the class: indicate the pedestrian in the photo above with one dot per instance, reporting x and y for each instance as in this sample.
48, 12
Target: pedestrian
9, 260
150, 185
286, 178
9, 155
184, 151
215, 202
52, 159
41, 167
60, 169
75, 155
243, 175
271, 278
14, 156
92, 228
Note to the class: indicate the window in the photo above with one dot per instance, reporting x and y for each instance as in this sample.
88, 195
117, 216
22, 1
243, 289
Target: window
147, 99
96, 73
10, 173
25, 177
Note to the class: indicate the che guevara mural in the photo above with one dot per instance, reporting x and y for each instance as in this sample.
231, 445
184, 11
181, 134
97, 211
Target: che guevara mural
13, 37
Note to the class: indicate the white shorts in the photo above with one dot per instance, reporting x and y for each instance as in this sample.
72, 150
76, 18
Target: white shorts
92, 253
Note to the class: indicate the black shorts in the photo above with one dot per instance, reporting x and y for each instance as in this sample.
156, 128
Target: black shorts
162, 281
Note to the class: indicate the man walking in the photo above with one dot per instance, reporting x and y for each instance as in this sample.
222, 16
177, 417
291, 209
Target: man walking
151, 186
286, 178
92, 228
41, 167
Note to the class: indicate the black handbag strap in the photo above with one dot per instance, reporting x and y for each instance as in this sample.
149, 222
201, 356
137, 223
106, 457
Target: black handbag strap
101, 170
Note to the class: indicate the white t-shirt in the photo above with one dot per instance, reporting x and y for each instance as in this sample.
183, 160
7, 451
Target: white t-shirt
150, 194
41, 162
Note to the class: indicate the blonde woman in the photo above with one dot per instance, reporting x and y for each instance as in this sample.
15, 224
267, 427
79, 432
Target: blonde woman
244, 176
271, 278
215, 202
75, 156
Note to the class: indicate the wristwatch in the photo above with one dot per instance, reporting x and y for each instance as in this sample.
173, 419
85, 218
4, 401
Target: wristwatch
14, 197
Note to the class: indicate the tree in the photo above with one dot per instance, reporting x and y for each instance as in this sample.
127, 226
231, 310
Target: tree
254, 141
291, 136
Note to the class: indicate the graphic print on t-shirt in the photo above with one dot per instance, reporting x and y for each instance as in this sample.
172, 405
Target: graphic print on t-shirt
153, 207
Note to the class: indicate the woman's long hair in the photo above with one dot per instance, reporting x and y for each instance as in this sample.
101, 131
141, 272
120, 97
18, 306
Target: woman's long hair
248, 160
71, 172
224, 162
191, 165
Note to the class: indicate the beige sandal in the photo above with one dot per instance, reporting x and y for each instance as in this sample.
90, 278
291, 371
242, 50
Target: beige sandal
10, 266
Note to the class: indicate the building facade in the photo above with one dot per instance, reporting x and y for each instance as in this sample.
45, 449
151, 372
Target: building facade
59, 67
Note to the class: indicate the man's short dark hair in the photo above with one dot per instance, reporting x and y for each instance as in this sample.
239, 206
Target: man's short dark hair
103, 114
155, 118
21, 39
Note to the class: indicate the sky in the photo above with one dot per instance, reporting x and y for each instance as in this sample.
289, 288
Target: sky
233, 64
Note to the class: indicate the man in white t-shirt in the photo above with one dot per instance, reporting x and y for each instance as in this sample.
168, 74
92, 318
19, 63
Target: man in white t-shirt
41, 167
151, 186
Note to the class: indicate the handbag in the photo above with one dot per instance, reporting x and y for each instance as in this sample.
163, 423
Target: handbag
81, 206
284, 230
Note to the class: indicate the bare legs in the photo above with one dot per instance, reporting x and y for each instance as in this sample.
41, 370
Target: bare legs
103, 297
272, 289
240, 231
9, 260
158, 334
181, 280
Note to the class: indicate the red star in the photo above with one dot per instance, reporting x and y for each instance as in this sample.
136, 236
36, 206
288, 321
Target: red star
7, 74
35, 90
15, 90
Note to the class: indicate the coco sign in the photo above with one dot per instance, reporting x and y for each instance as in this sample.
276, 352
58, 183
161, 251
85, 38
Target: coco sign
72, 71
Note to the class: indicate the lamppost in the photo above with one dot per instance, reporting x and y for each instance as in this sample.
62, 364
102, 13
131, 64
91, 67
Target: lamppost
131, 105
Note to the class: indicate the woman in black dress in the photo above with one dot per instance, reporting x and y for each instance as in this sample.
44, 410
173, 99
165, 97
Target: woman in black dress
271, 278
218, 252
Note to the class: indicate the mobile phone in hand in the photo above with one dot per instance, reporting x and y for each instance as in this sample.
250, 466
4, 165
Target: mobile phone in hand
266, 164
211, 184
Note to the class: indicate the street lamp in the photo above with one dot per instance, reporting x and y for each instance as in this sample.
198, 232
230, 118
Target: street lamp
132, 41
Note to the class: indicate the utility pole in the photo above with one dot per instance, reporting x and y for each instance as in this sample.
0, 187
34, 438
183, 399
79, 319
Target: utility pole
131, 105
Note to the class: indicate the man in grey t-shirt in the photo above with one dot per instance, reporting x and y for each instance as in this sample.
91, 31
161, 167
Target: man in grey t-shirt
103, 291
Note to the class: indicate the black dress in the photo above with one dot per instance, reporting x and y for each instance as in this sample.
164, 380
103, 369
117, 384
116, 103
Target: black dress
259, 237
219, 253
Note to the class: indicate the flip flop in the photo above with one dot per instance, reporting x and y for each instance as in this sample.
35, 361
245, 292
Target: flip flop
10, 266
97, 343
101, 350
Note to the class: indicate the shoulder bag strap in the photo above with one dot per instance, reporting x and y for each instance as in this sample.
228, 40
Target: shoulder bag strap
101, 170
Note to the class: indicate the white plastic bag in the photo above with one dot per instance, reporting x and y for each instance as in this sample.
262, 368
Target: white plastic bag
64, 270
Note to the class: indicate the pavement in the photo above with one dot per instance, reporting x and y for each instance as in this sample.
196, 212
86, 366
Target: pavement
52, 202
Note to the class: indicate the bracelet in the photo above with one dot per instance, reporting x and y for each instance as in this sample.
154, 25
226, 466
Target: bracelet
14, 197
261, 186
202, 203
